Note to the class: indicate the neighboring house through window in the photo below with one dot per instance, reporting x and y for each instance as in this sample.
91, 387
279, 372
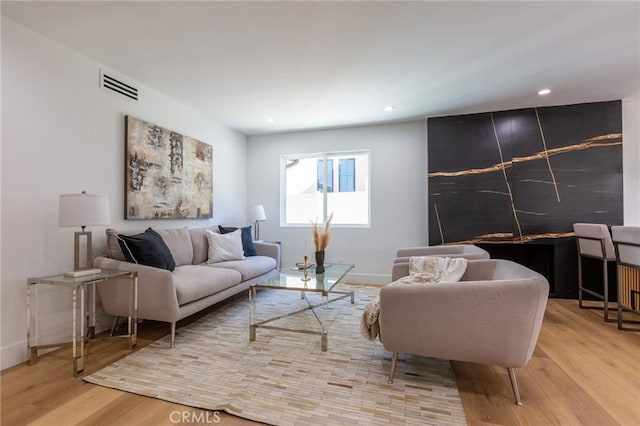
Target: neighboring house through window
347, 173
325, 175
313, 186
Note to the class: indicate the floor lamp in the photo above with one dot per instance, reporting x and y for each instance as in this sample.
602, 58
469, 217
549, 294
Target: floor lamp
256, 215
83, 210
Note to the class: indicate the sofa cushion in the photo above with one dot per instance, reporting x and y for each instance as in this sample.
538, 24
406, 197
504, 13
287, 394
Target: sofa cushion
200, 244
224, 247
113, 246
147, 248
250, 267
194, 282
248, 247
179, 242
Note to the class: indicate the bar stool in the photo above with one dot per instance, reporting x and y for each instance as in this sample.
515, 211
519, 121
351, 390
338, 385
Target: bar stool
594, 241
626, 240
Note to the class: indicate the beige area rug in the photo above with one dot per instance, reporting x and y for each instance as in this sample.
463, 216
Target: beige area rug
284, 378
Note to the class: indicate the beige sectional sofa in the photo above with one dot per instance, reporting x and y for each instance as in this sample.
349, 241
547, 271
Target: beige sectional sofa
193, 285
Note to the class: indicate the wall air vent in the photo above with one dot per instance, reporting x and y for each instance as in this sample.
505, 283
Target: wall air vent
109, 82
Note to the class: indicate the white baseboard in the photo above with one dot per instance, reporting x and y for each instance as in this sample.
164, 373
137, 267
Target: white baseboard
13, 354
18, 352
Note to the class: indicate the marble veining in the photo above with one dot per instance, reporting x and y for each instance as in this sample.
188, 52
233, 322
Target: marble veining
524, 175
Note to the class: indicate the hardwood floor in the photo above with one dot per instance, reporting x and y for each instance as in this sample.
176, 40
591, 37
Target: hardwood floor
583, 372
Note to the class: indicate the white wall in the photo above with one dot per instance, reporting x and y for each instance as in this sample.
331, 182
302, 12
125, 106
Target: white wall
61, 133
398, 164
399, 188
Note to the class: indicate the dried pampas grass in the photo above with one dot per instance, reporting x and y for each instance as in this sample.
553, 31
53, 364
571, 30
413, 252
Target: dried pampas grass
321, 237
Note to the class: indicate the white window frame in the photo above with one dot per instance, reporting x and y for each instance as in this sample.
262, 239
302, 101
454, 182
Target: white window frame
324, 155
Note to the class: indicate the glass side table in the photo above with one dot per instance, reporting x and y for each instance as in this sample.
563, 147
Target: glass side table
84, 324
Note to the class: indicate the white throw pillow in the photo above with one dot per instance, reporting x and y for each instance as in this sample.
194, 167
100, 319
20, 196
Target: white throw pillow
225, 246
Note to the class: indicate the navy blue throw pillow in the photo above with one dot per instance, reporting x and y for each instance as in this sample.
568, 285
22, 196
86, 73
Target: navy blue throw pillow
147, 248
247, 240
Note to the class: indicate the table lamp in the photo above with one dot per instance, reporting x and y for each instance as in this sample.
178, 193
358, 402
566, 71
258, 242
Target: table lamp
255, 215
83, 210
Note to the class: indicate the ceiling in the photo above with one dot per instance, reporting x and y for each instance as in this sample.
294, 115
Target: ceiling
312, 65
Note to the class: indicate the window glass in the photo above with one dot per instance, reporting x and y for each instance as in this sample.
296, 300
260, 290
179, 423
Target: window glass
328, 177
309, 193
346, 171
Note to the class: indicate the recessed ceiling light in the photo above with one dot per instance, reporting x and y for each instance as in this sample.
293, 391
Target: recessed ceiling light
544, 92
388, 108
269, 120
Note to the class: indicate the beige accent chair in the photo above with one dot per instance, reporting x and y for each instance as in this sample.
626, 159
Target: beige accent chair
467, 251
626, 240
492, 316
594, 241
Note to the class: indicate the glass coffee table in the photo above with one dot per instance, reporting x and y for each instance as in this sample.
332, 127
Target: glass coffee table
293, 279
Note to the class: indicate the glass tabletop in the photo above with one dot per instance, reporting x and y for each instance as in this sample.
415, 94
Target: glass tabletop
292, 278
64, 280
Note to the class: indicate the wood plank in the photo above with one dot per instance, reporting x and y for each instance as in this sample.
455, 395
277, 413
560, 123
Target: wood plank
77, 409
614, 355
584, 371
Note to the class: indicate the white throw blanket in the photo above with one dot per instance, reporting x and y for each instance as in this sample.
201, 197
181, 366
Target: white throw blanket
422, 270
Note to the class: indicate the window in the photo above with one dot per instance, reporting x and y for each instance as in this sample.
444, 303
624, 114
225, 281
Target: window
313, 186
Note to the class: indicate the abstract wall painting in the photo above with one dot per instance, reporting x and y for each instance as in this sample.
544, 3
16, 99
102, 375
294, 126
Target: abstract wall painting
167, 175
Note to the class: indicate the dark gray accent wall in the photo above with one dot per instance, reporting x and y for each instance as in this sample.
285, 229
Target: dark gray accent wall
531, 192
524, 176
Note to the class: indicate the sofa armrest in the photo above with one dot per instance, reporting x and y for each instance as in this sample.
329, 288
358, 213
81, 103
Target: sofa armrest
157, 297
468, 251
269, 249
399, 270
489, 322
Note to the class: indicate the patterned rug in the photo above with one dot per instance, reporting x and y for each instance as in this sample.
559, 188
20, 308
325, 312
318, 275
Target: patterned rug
284, 378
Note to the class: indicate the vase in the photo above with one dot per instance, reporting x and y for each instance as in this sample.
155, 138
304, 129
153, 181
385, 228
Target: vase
320, 262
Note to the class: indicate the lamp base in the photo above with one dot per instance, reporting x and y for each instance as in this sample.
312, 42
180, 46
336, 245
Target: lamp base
256, 231
77, 264
82, 272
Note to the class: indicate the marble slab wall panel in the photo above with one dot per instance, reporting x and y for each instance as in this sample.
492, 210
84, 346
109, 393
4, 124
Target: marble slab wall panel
523, 175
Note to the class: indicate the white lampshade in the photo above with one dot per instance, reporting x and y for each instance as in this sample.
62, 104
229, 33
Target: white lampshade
256, 214
83, 210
